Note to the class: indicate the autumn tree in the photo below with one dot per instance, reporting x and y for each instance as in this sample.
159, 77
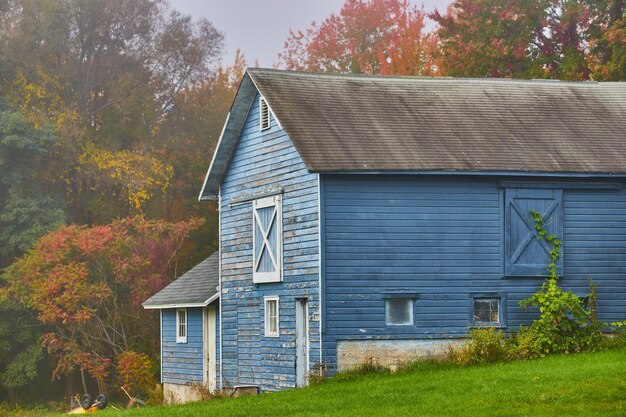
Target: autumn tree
370, 37
188, 137
103, 75
564, 40
490, 38
107, 55
607, 40
522, 38
103, 118
86, 285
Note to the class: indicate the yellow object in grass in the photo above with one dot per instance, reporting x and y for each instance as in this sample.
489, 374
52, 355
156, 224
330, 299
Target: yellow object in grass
81, 410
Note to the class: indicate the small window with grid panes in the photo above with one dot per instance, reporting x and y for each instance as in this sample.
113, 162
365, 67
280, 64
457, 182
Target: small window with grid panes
486, 312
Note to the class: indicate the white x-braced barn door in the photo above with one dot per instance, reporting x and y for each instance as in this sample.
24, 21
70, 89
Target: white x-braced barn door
267, 259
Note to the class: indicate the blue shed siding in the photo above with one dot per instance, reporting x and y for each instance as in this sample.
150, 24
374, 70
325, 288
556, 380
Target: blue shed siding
266, 161
442, 238
182, 362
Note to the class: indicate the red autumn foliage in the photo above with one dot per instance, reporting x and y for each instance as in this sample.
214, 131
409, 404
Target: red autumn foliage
563, 40
370, 37
560, 39
86, 284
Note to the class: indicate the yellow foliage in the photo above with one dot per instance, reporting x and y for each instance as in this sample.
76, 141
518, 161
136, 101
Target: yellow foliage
140, 175
40, 100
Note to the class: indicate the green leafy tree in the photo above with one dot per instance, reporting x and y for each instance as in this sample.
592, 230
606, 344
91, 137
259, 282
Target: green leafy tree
490, 38
516, 38
21, 353
27, 209
608, 40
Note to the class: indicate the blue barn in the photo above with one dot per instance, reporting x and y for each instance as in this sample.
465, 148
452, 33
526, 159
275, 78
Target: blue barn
370, 217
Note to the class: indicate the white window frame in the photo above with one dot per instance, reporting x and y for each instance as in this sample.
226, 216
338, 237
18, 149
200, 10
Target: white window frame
182, 338
277, 275
267, 318
263, 104
410, 301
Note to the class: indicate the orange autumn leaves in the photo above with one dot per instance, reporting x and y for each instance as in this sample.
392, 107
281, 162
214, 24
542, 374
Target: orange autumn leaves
85, 284
558, 39
370, 37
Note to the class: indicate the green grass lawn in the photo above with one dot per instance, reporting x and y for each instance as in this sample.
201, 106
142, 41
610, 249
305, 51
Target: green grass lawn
591, 384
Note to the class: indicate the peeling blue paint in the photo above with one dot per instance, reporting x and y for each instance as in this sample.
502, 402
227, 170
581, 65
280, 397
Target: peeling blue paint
262, 162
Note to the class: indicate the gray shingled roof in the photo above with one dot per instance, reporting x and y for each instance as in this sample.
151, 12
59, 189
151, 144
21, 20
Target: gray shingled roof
193, 289
354, 123
344, 123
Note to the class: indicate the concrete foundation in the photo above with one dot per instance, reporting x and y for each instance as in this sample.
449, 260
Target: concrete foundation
179, 394
389, 353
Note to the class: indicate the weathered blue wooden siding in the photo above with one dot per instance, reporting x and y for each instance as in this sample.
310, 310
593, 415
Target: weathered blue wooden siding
442, 238
265, 161
182, 362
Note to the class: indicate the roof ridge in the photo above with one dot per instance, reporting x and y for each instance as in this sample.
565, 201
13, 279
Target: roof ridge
252, 70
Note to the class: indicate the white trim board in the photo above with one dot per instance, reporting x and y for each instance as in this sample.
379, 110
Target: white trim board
319, 262
179, 338
208, 348
161, 342
219, 280
183, 305
219, 142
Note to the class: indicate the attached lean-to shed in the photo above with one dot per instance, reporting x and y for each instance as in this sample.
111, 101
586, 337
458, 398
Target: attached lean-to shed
190, 345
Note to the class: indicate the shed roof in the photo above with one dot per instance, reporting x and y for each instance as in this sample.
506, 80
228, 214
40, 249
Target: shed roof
197, 287
355, 123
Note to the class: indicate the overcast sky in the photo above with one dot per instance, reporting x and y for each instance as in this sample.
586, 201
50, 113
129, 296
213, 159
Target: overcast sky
260, 28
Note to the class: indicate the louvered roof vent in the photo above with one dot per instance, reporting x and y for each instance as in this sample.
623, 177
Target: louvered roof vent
264, 114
